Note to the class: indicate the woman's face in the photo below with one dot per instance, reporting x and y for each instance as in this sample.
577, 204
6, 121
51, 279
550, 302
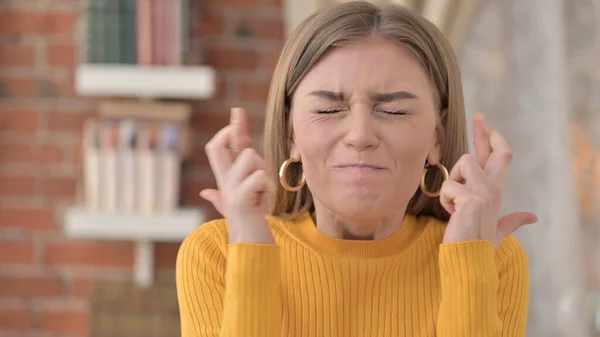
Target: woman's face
364, 123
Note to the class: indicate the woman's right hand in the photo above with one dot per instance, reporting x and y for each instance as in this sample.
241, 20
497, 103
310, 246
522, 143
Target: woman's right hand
243, 185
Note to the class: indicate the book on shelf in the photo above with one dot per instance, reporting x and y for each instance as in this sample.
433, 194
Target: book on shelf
132, 155
145, 32
159, 31
129, 31
113, 31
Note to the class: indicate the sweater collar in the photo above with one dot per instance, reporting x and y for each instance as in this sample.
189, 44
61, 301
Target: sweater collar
307, 233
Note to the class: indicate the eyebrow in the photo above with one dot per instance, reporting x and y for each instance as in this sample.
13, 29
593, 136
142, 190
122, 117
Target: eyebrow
329, 95
380, 97
393, 96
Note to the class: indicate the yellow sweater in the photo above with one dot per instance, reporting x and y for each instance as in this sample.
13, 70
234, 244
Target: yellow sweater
309, 284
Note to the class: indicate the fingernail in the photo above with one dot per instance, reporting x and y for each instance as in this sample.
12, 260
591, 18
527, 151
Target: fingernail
531, 219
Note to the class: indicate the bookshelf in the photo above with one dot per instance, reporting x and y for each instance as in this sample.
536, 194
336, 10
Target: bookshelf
108, 214
133, 56
137, 49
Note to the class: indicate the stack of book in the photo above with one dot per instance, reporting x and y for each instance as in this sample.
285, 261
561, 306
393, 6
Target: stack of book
132, 166
145, 32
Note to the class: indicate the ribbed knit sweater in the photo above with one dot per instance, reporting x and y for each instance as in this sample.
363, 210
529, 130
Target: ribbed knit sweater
310, 284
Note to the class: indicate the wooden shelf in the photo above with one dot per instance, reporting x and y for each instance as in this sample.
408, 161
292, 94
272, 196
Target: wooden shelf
157, 227
153, 82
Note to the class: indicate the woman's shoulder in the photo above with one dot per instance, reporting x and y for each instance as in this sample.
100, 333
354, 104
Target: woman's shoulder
209, 238
214, 233
214, 229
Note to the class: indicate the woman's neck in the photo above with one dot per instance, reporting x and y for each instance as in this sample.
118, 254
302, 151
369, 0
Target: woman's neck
348, 228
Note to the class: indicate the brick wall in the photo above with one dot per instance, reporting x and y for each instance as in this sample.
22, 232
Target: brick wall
53, 286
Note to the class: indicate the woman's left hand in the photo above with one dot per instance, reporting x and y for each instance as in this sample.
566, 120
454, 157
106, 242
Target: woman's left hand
473, 193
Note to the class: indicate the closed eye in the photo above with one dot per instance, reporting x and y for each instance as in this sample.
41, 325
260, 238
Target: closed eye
389, 112
329, 111
394, 112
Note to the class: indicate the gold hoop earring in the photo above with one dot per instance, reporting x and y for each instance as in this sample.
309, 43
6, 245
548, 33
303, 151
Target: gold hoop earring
424, 188
282, 172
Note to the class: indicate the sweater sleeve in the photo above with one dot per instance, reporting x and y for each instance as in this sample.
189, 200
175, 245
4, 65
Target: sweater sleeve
485, 291
232, 293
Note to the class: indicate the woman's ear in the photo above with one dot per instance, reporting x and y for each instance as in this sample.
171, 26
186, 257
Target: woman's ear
443, 117
433, 157
435, 154
294, 152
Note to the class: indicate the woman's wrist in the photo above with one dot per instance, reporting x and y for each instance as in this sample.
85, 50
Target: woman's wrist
249, 233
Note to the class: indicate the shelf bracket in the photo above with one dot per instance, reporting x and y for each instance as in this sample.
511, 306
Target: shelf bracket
144, 263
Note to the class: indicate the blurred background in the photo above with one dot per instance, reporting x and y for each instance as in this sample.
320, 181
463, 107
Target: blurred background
91, 90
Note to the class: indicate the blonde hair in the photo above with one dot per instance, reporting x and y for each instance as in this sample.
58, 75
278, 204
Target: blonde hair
342, 24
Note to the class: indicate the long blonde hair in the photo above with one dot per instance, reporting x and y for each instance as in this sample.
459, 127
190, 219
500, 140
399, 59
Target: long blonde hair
342, 24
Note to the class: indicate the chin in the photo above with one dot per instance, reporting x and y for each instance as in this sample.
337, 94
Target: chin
363, 207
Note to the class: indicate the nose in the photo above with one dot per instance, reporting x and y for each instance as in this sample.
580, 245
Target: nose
360, 133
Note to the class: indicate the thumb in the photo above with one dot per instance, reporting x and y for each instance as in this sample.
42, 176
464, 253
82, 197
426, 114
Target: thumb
509, 223
214, 197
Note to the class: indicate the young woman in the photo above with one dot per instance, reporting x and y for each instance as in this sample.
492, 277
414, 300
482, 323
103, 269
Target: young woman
350, 224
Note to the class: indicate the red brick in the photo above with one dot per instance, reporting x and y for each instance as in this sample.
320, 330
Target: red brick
68, 321
191, 190
231, 58
276, 3
15, 54
199, 158
165, 255
81, 288
18, 121
210, 26
61, 55
254, 92
30, 286
271, 29
15, 319
271, 59
212, 122
65, 187
31, 154
67, 121
40, 86
57, 86
20, 87
88, 253
27, 22
221, 87
78, 152
69, 86
16, 185
34, 218
218, 119
49, 154
16, 252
